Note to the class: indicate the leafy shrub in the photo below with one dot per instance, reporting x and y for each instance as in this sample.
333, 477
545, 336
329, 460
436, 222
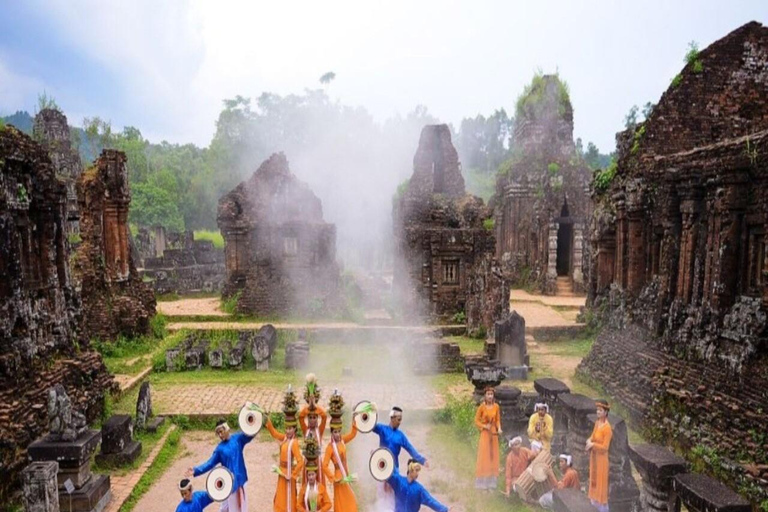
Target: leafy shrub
553, 168
604, 177
489, 224
157, 325
677, 80
214, 236
229, 304
459, 318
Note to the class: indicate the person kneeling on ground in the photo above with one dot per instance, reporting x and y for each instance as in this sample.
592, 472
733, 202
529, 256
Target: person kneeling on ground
192, 501
517, 461
570, 480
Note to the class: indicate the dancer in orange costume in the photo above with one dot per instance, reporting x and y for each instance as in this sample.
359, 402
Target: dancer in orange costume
313, 496
291, 461
488, 420
344, 499
597, 446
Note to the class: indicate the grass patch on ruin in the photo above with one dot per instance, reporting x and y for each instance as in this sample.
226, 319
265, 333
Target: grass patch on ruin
162, 462
214, 236
461, 457
468, 346
173, 296
572, 348
131, 356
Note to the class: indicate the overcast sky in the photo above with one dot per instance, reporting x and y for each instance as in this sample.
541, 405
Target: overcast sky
165, 67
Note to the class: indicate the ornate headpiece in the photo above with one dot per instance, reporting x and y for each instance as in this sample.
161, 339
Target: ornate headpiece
336, 409
311, 453
602, 403
311, 389
290, 407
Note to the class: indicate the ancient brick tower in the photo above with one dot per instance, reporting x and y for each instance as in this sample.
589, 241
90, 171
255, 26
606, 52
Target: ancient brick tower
52, 130
40, 343
444, 240
115, 300
679, 270
280, 254
541, 202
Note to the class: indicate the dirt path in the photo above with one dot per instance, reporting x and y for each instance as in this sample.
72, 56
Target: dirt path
547, 300
210, 306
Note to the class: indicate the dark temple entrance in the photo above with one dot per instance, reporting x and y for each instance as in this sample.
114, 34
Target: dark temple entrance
564, 242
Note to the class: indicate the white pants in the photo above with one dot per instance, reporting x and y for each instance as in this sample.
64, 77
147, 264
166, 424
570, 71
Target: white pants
237, 502
385, 498
546, 501
599, 507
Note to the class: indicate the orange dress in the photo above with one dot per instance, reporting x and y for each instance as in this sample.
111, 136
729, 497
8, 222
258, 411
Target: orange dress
598, 462
285, 495
323, 503
343, 496
515, 464
488, 448
319, 431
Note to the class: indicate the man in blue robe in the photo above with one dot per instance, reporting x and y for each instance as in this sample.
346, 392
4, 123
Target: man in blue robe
192, 501
410, 495
229, 453
392, 438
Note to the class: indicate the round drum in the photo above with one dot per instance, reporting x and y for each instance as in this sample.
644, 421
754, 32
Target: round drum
250, 419
219, 484
382, 464
366, 420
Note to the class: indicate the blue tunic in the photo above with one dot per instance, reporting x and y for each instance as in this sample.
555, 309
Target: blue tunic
200, 500
230, 455
393, 440
409, 497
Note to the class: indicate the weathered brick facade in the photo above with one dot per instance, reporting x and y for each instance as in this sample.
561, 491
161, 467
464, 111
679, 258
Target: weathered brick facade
680, 274
40, 345
115, 300
541, 202
52, 130
445, 255
280, 254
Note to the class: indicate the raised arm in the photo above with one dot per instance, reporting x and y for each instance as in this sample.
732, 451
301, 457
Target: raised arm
428, 501
303, 420
243, 439
323, 417
352, 434
412, 451
207, 465
273, 431
329, 473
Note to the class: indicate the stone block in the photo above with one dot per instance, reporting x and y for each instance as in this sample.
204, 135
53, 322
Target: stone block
116, 434
39, 488
656, 465
78, 474
268, 333
516, 372
297, 355
93, 497
260, 351
71, 455
155, 423
700, 493
171, 358
509, 336
571, 500
124, 457
194, 358
216, 358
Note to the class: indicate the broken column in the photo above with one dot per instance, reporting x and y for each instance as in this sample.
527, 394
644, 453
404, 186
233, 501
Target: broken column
549, 390
39, 487
700, 493
657, 466
116, 301
118, 448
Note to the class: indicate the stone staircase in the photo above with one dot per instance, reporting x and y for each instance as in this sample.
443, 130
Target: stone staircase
565, 287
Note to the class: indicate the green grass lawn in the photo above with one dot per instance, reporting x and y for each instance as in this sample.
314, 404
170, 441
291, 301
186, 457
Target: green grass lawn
467, 345
214, 236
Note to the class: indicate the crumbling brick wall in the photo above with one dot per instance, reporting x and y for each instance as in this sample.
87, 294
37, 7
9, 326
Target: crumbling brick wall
680, 274
280, 254
445, 254
40, 343
541, 203
52, 130
115, 300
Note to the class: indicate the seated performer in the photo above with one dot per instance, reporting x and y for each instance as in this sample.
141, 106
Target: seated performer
392, 438
291, 461
541, 427
517, 461
313, 496
192, 501
336, 456
410, 495
229, 453
570, 480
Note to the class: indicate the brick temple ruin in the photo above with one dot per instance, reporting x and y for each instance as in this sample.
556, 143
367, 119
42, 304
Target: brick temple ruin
680, 268
173, 262
280, 253
40, 344
52, 130
445, 249
115, 300
542, 203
